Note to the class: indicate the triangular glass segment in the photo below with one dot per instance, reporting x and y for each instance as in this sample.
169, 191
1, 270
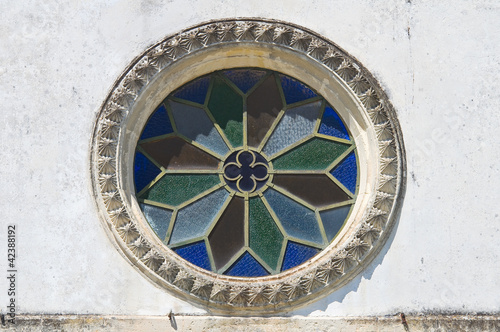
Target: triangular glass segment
158, 218
247, 266
297, 254
295, 91
158, 124
332, 125
195, 91
347, 172
244, 79
334, 219
195, 253
144, 171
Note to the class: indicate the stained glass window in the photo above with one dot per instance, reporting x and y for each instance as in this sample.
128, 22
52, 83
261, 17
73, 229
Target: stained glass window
246, 172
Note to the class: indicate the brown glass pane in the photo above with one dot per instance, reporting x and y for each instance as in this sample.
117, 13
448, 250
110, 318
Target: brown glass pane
263, 106
176, 153
316, 189
228, 237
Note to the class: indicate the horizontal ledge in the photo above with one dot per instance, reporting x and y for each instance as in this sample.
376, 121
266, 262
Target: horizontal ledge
216, 323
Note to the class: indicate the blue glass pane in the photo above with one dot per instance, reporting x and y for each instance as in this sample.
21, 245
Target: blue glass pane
195, 91
195, 219
297, 123
244, 79
295, 91
333, 220
195, 253
247, 266
195, 124
347, 172
297, 254
144, 171
158, 124
158, 218
332, 125
297, 220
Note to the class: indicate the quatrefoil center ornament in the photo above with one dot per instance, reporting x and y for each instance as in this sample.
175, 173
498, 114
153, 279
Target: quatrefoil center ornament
246, 171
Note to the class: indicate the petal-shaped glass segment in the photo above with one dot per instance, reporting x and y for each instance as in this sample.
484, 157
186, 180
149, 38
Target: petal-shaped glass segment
195, 91
158, 124
244, 79
174, 153
195, 124
247, 266
195, 253
347, 172
175, 189
226, 106
332, 125
228, 235
294, 90
297, 220
297, 254
315, 154
144, 171
296, 124
263, 107
194, 220
265, 238
158, 218
315, 189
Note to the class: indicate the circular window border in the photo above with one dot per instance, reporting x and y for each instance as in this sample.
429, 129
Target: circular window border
156, 73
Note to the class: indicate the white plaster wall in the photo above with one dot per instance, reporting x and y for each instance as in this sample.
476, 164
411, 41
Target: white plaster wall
438, 61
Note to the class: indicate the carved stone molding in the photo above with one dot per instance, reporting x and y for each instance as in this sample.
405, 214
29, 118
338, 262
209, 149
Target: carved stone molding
336, 265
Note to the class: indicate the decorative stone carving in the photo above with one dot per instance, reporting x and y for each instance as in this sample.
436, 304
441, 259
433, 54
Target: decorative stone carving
335, 265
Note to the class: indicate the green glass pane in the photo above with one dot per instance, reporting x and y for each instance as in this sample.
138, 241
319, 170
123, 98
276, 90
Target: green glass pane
315, 154
174, 189
226, 106
264, 236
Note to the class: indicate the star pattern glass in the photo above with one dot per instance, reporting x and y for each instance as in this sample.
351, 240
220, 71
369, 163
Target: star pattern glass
246, 172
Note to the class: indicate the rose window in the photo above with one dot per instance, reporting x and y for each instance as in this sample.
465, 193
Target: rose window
245, 172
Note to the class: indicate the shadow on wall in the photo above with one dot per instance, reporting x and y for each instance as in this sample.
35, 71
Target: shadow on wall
353, 285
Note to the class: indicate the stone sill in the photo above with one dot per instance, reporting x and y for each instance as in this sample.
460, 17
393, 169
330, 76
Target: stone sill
35, 323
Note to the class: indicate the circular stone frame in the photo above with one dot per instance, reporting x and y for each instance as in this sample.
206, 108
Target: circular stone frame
273, 45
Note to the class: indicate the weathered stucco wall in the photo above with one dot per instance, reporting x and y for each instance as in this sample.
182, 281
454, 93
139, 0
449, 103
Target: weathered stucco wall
437, 61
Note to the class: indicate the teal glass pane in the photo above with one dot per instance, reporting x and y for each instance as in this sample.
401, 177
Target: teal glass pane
296, 124
244, 79
195, 253
158, 218
195, 91
333, 220
174, 189
265, 238
297, 220
246, 266
347, 172
332, 125
195, 219
226, 106
195, 124
297, 254
295, 91
158, 124
144, 171
315, 154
